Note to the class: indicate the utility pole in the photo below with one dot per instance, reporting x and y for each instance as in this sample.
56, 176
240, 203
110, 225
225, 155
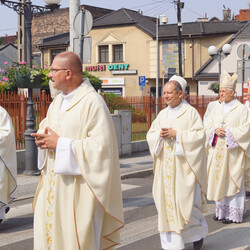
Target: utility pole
180, 5
74, 7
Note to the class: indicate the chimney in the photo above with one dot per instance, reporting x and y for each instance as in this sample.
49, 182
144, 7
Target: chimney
227, 14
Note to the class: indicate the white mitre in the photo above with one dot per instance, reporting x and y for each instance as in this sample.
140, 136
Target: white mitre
180, 80
227, 81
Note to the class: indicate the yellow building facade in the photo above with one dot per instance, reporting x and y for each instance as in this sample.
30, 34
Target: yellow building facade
123, 51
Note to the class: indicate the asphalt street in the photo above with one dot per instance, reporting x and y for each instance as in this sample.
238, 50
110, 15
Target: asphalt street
140, 231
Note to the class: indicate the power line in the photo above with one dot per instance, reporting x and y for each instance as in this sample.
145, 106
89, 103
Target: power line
166, 9
147, 4
153, 10
194, 12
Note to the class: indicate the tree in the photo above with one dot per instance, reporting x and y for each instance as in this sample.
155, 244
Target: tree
95, 81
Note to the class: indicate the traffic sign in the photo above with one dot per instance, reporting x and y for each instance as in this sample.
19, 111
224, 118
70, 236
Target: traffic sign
83, 22
142, 80
243, 49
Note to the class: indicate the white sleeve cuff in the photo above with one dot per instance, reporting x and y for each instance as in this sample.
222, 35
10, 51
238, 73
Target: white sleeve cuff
231, 143
41, 158
65, 160
159, 146
178, 148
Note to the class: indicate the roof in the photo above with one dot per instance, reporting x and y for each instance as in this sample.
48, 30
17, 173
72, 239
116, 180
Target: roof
2, 47
8, 53
58, 40
123, 17
199, 29
243, 33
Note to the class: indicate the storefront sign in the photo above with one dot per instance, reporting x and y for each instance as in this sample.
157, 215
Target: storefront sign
111, 67
112, 81
118, 66
96, 68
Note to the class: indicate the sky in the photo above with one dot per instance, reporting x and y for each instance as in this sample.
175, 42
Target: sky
193, 9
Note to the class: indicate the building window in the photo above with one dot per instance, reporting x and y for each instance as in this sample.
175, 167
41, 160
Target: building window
55, 52
117, 53
104, 53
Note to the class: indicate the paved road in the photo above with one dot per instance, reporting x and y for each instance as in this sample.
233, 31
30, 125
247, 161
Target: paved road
140, 232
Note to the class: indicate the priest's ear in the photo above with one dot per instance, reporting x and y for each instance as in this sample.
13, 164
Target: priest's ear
180, 94
69, 74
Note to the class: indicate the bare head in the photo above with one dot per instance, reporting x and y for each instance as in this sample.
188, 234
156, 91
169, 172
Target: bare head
172, 93
66, 72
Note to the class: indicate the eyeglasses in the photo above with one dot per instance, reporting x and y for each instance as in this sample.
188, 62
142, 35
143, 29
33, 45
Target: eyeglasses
53, 71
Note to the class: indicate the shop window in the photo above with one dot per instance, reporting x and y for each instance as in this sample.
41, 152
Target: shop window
103, 53
55, 52
117, 53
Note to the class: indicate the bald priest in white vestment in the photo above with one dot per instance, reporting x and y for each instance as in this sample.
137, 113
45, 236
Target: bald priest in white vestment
177, 144
228, 134
8, 164
78, 203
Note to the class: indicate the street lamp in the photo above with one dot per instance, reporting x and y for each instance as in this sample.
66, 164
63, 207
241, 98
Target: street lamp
27, 9
220, 55
164, 20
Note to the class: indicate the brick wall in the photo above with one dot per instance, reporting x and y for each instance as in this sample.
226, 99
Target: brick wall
57, 22
244, 15
8, 39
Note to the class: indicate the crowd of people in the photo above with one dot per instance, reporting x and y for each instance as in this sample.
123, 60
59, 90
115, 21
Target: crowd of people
78, 203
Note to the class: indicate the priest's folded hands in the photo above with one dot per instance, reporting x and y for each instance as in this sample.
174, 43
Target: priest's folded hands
220, 132
47, 140
168, 133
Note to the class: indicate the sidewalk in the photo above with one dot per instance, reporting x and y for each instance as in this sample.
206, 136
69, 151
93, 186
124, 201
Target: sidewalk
136, 165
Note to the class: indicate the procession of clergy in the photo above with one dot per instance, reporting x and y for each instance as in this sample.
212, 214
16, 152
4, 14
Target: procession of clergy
78, 203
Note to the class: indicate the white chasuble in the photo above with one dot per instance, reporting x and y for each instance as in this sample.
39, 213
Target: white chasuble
8, 164
175, 176
247, 170
64, 205
226, 165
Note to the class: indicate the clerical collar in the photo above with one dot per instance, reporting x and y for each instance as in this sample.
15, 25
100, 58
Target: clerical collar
67, 99
177, 107
70, 95
173, 112
229, 104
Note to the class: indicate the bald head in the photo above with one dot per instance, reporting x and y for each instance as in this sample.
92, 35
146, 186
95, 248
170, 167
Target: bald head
70, 60
66, 72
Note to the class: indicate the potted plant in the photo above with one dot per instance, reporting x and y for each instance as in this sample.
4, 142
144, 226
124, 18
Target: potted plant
214, 86
19, 75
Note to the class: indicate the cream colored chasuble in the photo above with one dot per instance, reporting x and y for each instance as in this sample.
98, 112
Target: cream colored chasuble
226, 161
176, 176
65, 204
247, 171
8, 164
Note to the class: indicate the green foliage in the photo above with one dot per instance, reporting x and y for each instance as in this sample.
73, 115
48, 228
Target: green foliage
214, 86
95, 81
116, 102
1, 41
7, 75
